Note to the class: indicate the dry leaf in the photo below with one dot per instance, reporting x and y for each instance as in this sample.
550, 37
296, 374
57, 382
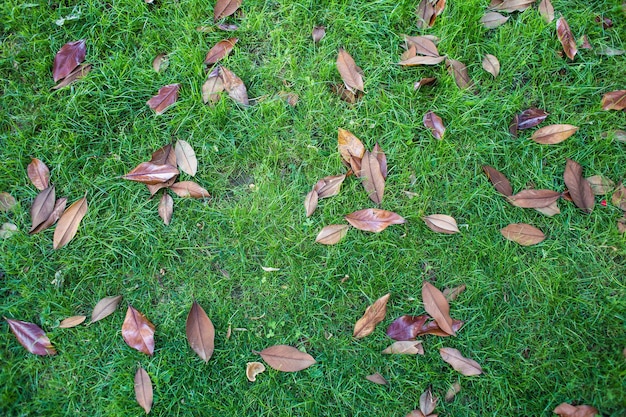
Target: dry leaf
428, 402
234, 86
423, 45
212, 87
105, 308
143, 390
493, 19
270, 269
406, 347
153, 188
459, 72
377, 378
310, 202
253, 369
411, 52
72, 322
566, 38
426, 14
42, 207
7, 202
530, 118
7, 230
437, 306
373, 220
553, 134
349, 146
621, 227
452, 293
165, 155
186, 158
499, 180
318, 33
220, 50
59, 208
491, 65
68, 58
290, 98
415, 413
224, 8
614, 100
453, 391
372, 177
546, 10
166, 96
441, 223
465, 366
585, 42
138, 332
78, 73
332, 234
166, 208
619, 197
600, 185
608, 51
373, 315
149, 173
32, 337
350, 73
578, 187
329, 186
551, 210
512, 5
286, 358
522, 233
433, 328
435, 124
200, 332
39, 174
534, 198
160, 62
422, 60
68, 223
382, 159
345, 94
189, 189
424, 82
567, 410
406, 327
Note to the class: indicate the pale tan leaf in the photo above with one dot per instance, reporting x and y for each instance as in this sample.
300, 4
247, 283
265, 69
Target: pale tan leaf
437, 306
461, 364
441, 223
423, 45
349, 71
567, 410
68, 223
143, 390
493, 19
499, 180
224, 8
422, 60
491, 65
459, 72
165, 155
372, 177
578, 187
332, 234
373, 220
7, 202
286, 358
566, 38
608, 51
453, 391
346, 94
105, 307
428, 402
234, 86
373, 315
78, 73
72, 322
39, 174
377, 378
452, 293
329, 186
160, 62
524, 234
614, 100
189, 189
186, 157
512, 5
166, 96
42, 207
433, 122
212, 87
553, 134
404, 347
310, 202
349, 145
600, 185
534, 198
546, 10
138, 332
149, 173
253, 369
551, 210
220, 50
166, 208
200, 332
318, 33
59, 208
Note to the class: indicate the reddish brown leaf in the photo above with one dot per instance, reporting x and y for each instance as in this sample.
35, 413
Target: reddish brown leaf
310, 202
530, 118
138, 332
513, 126
69, 57
499, 180
459, 72
332, 234
422, 60
68, 223
428, 402
39, 174
452, 293
423, 45
377, 378
78, 73
372, 177
491, 65
345, 94
405, 347
72, 322
373, 315
585, 42
600, 185
349, 146
59, 208
220, 50
349, 71
318, 33
406, 327
435, 124
567, 410
164, 156
234, 86
286, 358
619, 197
7, 202
253, 369
437, 306
566, 38
166, 96
212, 87
382, 159
166, 208
524, 234
606, 22
441, 223
153, 188
143, 390
32, 337
433, 328
221, 26
493, 19
614, 100
534, 198
105, 307
578, 187
42, 207
186, 157
553, 134
460, 363
200, 332
150, 173
546, 10
329, 186
373, 220
224, 8
189, 189
426, 14
409, 53
160, 62
415, 413
355, 166
424, 82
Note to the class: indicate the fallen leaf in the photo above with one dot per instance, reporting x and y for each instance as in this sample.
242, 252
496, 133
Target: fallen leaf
270, 269
349, 71
72, 322
614, 100
621, 227
32, 337
234, 86
441, 223
606, 22
105, 307
377, 151
452, 391
426, 14
433, 328
530, 118
600, 185
310, 202
377, 378
7, 230
200, 332
491, 65
68, 58
465, 366
253, 369
160, 62
291, 98
138, 332
286, 358
534, 198
551, 210
329, 186
149, 173
585, 42
372, 177
553, 134
428, 402
186, 157
459, 72
68, 223
78, 73
153, 188
373, 220
522, 233
493, 19
166, 208
212, 87
224, 8
226, 27
318, 33
619, 197
546, 10
332, 234
512, 5
423, 45
435, 124
165, 155
406, 327
39, 174
166, 96
566, 38
373, 315
578, 187
349, 146
220, 50
567, 410
437, 306
424, 82
422, 60
42, 207
608, 51
411, 52
452, 293
499, 180
143, 390
415, 413
7, 202
189, 189
406, 347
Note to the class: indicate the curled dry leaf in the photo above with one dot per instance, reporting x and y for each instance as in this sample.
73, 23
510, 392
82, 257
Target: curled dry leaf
318, 33
530, 118
522, 233
166, 208
453, 391
105, 308
437, 306
310, 202
377, 378
411, 52
138, 332
373, 220
493, 19
423, 45
459, 72
59, 208
345, 94
220, 50
433, 328
534, 198
68, 58
461, 364
349, 146
578, 187
143, 390
234, 86
153, 188
39, 174
406, 327
350, 73
212, 87
424, 82
189, 189
7, 202
270, 269
200, 332
68, 223
329, 186
42, 207
491, 65
253, 369
614, 100
286, 358
426, 14
514, 5
428, 402
166, 96
406, 347
551, 210
78, 73
186, 157
442, 223
160, 62
372, 177
546, 10
566, 38
568, 410
165, 155
422, 60
224, 8
499, 180
32, 337
600, 185
72, 322
553, 134
332, 234
373, 315
451, 294
435, 124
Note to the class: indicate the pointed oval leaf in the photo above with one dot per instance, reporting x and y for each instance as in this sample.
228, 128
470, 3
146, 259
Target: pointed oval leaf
491, 65
166, 96
150, 173
411, 52
534, 198
614, 100
39, 174
78, 73
105, 307
406, 347
200, 332
153, 188
165, 155
189, 189
212, 87
567, 410
460, 363
530, 118
42, 207
600, 185
160, 62
382, 159
493, 19
553, 134
332, 234
186, 157
564, 33
417, 413
224, 8
373, 220
7, 202
329, 186
166, 208
310, 202
143, 390
234, 86
68, 223
138, 332
72, 322
426, 14
428, 402
372, 177
435, 124
377, 378
437, 306
524, 234
433, 328
441, 223
422, 60
424, 82
349, 145
286, 358
68, 58
551, 210
406, 327
59, 208
578, 187
350, 73
220, 50
253, 369
423, 45
499, 180
32, 337
318, 33
546, 10
511, 5
459, 72
373, 315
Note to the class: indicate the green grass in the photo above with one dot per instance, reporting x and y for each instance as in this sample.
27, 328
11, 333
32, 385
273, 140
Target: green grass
547, 323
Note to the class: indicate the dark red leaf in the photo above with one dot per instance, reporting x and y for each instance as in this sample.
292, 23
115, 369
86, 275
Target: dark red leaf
166, 96
31, 337
68, 58
406, 327
531, 118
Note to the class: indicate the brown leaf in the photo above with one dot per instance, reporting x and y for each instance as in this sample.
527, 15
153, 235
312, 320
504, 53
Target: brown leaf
373, 315
149, 173
220, 50
349, 71
499, 180
433, 328
426, 14
355, 166
372, 177
534, 198
32, 337
567, 410
290, 98
200, 332
437, 306
551, 210
459, 72
332, 234
7, 202
166, 208
441, 223
377, 378
221, 26
164, 156
72, 322
424, 82
522, 233
224, 8
189, 189
349, 146
310, 202
619, 197
160, 62
68, 223
491, 65
453, 391
234, 86
42, 207
212, 87
423, 45
428, 402
186, 157
566, 38
253, 369
69, 57
422, 60
143, 390
461, 364
406, 327
138, 332
373, 220
452, 293
78, 73
286, 358
39, 174
329, 186
153, 188
600, 185
546, 10
166, 96
318, 33
585, 43
513, 126
416, 413
105, 307
382, 159
553, 134
409, 53
578, 187
405, 347
530, 118
512, 5
614, 100
59, 208
435, 124
493, 19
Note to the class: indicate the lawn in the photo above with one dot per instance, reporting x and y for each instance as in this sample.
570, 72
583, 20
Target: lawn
546, 322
